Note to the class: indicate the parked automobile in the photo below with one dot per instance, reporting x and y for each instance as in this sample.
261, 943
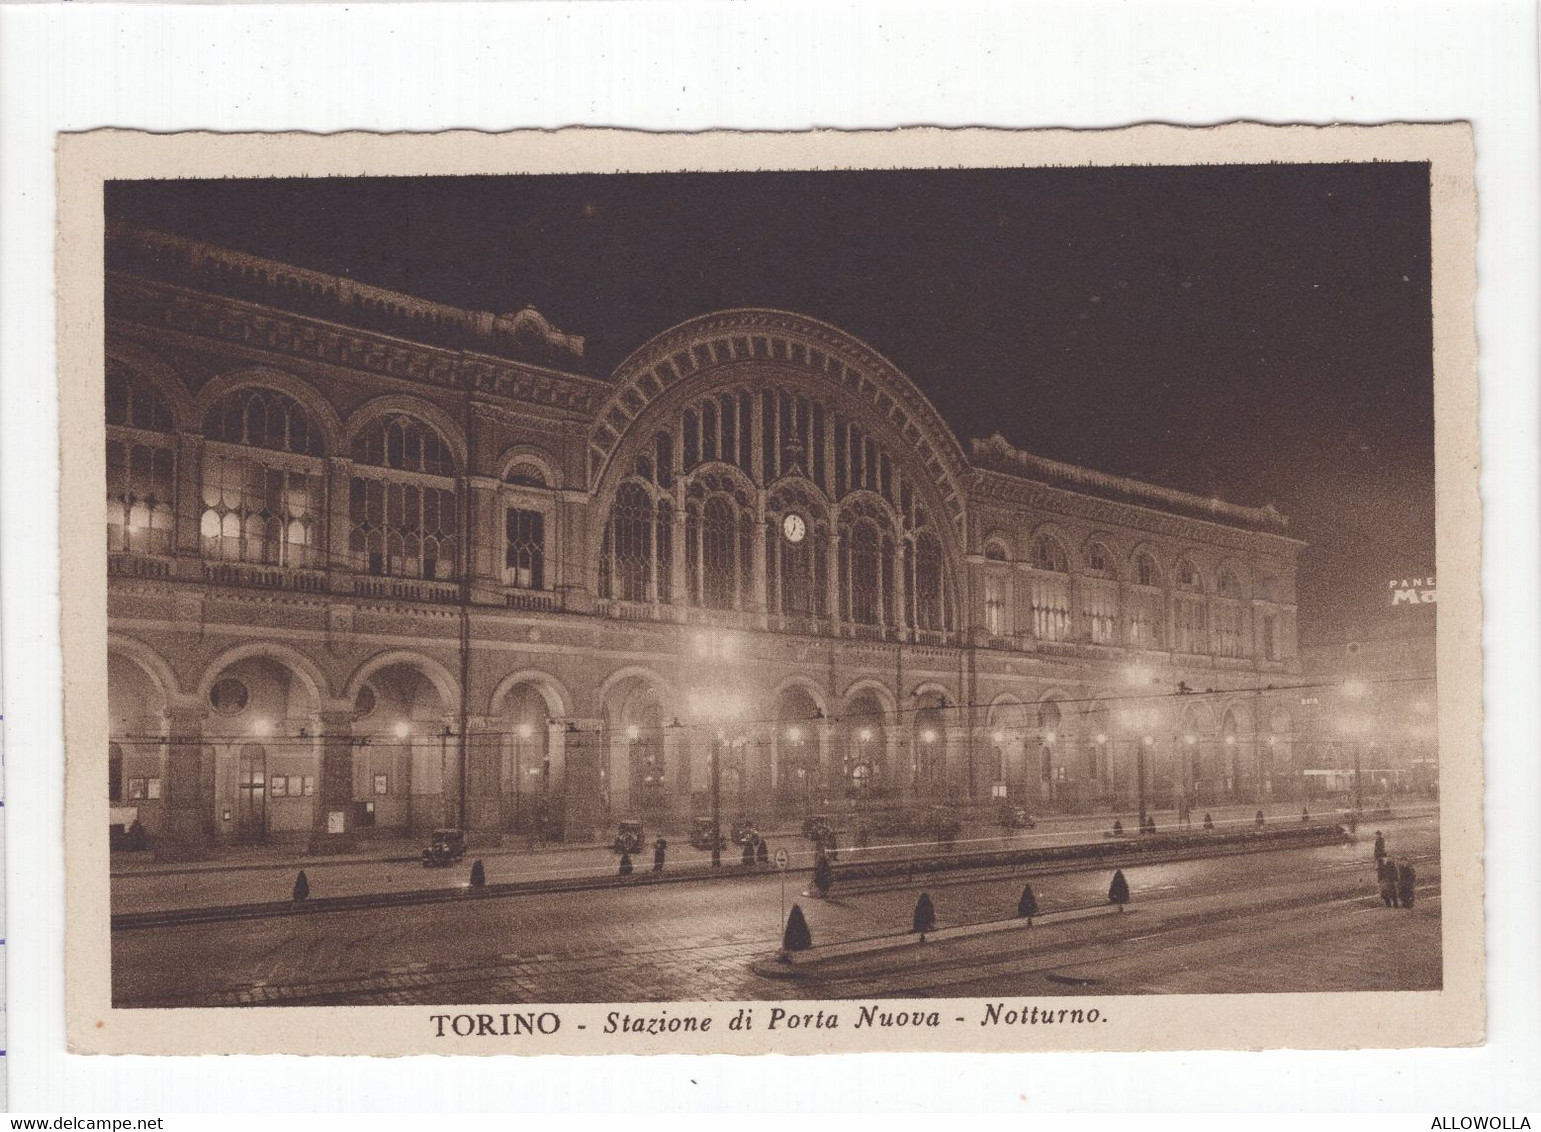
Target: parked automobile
745, 829
1016, 817
445, 847
628, 837
701, 835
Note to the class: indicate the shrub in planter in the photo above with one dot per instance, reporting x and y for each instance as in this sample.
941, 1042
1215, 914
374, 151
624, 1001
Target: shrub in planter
925, 914
301, 887
823, 875
1027, 906
478, 874
797, 937
1118, 891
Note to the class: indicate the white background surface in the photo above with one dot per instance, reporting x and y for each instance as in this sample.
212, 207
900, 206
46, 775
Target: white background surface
668, 66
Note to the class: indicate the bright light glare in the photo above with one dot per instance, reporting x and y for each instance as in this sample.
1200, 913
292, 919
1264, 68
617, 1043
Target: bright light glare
402, 729
866, 734
795, 734
262, 727
525, 731
1355, 689
928, 736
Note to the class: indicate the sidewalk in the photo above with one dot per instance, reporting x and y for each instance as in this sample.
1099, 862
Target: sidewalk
592, 855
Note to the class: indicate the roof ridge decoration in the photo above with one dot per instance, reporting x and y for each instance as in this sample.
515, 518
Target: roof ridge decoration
996, 453
523, 335
763, 334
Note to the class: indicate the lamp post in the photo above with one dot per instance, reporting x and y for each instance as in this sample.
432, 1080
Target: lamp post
795, 738
716, 705
1139, 773
928, 737
1355, 690
521, 733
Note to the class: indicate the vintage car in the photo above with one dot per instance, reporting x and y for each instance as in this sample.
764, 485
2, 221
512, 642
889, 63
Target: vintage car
745, 830
628, 837
445, 847
701, 835
1016, 817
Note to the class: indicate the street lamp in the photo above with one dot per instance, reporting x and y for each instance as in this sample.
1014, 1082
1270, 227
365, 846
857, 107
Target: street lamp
716, 707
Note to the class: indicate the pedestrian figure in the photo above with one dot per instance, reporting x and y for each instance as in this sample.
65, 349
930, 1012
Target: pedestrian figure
1209, 822
1386, 874
1380, 848
1305, 814
625, 869
658, 854
1150, 824
1118, 828
748, 855
863, 837
1259, 818
830, 848
1406, 878
823, 875
761, 851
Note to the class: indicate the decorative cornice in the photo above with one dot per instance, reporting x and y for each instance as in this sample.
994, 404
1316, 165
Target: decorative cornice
524, 335
164, 306
1012, 492
996, 454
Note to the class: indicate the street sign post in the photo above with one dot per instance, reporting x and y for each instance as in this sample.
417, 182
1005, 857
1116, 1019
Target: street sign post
782, 860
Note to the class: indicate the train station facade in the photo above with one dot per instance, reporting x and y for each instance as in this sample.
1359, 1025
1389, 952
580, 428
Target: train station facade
378, 565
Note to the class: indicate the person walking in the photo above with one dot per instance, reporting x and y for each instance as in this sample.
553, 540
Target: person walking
1380, 848
658, 853
1386, 873
1406, 878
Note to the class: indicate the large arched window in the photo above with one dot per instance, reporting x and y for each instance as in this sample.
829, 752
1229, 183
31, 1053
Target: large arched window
797, 550
1145, 605
928, 582
1099, 595
403, 507
141, 466
719, 542
628, 564
865, 573
1050, 592
262, 481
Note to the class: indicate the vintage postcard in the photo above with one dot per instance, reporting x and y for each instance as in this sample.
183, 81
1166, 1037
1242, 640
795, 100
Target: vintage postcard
605, 592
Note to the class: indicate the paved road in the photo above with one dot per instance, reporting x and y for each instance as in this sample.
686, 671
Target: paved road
143, 887
1284, 920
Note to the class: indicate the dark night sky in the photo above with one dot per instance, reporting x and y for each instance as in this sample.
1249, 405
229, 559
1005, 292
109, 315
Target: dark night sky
1259, 333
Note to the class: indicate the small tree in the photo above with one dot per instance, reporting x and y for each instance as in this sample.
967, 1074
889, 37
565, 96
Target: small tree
1118, 891
1118, 829
797, 937
1027, 907
301, 887
478, 874
823, 875
625, 869
925, 914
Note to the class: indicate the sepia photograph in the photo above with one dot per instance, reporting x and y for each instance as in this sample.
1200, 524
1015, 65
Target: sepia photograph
816, 592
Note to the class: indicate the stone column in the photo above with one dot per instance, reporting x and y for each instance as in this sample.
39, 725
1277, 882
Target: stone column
188, 803
338, 559
484, 780
758, 600
677, 595
901, 602
832, 582
187, 537
332, 829
581, 801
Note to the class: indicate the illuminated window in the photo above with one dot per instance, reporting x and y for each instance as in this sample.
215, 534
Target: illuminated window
995, 607
627, 564
524, 554
1049, 554
1187, 574
141, 467
928, 582
1099, 560
403, 507
1146, 572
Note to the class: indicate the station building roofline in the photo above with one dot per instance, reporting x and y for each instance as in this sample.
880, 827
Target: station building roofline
527, 336
996, 454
